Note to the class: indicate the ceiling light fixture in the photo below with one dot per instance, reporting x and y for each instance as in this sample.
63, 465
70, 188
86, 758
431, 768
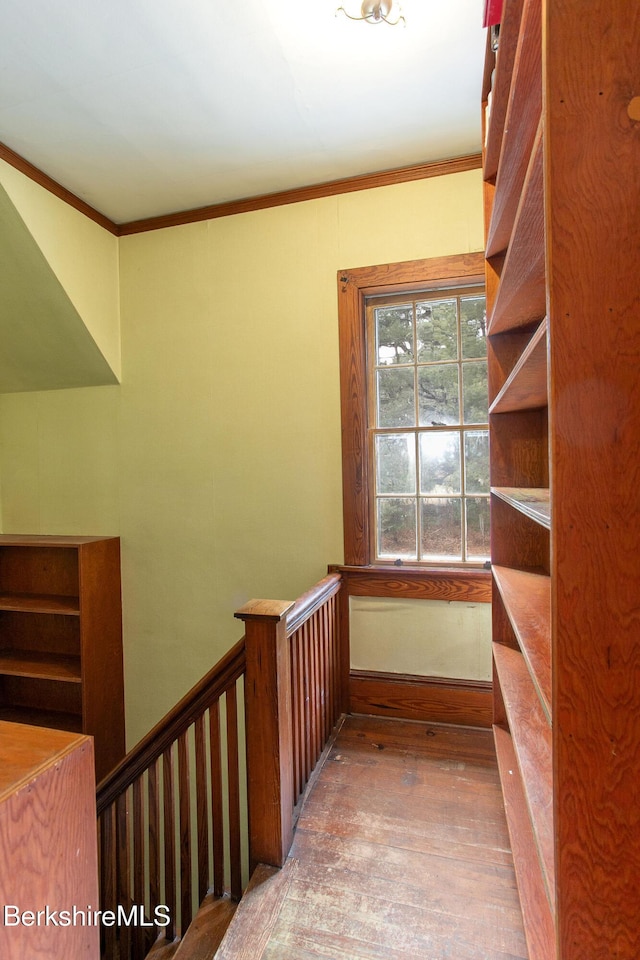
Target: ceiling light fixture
377, 11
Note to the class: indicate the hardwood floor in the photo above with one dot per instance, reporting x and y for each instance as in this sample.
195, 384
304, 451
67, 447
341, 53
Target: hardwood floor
401, 852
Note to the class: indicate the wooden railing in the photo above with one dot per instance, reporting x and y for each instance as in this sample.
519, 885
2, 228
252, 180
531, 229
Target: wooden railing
293, 698
169, 815
317, 692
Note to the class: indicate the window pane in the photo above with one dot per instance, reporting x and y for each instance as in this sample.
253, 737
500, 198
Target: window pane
478, 541
476, 461
440, 462
437, 330
396, 463
441, 529
474, 392
397, 528
473, 324
394, 334
438, 395
396, 403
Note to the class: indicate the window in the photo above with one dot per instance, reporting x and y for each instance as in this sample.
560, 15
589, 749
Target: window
414, 412
428, 431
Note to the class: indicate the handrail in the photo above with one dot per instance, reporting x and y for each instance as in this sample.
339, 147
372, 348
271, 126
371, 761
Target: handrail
170, 812
229, 668
169, 815
307, 604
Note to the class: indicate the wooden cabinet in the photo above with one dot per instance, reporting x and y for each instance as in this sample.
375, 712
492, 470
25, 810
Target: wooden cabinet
48, 845
61, 638
562, 201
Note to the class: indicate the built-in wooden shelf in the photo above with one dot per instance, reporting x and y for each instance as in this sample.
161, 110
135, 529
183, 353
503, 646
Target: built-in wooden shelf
534, 502
509, 30
523, 117
72, 722
557, 248
527, 600
526, 386
61, 638
40, 666
521, 296
40, 603
531, 736
536, 910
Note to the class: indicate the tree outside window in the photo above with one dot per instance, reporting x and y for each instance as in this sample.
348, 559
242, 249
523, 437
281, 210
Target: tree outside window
428, 426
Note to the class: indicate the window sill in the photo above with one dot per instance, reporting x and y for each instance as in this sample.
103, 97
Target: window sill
421, 582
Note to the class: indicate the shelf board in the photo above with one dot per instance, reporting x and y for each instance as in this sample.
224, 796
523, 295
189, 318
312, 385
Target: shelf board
521, 295
536, 910
522, 119
40, 603
534, 502
40, 666
55, 719
531, 736
526, 386
527, 600
509, 30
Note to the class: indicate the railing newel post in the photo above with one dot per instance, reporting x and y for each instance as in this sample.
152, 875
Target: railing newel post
269, 732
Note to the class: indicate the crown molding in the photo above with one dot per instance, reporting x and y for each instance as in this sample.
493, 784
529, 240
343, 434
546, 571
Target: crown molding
15, 160
368, 181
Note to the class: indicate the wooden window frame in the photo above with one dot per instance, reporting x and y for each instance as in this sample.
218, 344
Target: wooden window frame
354, 286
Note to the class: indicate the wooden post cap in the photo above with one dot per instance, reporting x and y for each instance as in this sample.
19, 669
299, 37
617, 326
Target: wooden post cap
274, 610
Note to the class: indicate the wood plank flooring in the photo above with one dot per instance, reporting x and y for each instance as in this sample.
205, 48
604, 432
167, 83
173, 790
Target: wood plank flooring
401, 853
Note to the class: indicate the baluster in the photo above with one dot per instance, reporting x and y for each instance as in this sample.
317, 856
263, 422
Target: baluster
343, 649
108, 872
295, 730
202, 809
298, 717
335, 657
185, 833
153, 801
215, 755
306, 660
235, 862
123, 897
312, 635
169, 841
137, 826
324, 642
330, 667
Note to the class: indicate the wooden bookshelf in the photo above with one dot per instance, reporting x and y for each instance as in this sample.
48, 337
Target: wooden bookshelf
521, 296
34, 603
43, 666
523, 116
495, 118
38, 717
535, 904
527, 601
526, 386
533, 502
531, 736
61, 638
562, 242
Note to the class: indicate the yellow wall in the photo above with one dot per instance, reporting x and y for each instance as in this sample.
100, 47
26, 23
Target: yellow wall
82, 254
217, 459
432, 638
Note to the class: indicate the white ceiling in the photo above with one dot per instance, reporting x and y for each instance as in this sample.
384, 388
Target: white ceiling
146, 107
